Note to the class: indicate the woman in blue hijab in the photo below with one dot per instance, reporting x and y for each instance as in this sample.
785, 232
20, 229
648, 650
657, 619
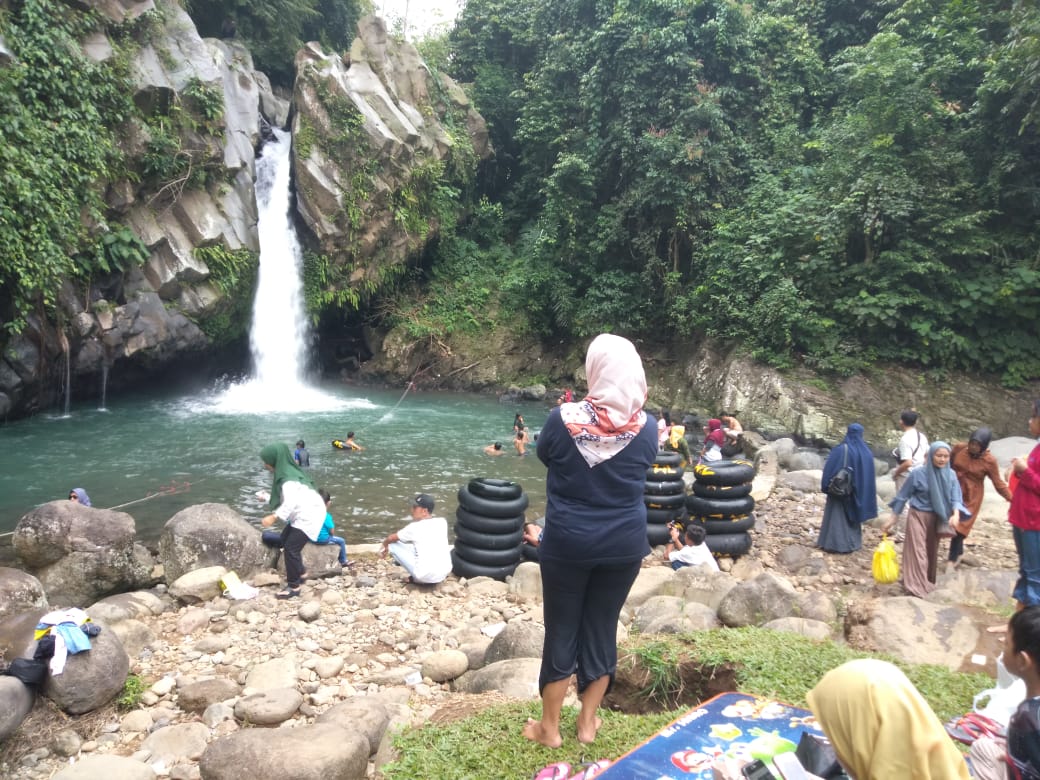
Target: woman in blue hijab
843, 517
934, 496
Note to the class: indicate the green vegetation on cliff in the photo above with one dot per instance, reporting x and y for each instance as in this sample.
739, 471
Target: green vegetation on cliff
836, 181
60, 114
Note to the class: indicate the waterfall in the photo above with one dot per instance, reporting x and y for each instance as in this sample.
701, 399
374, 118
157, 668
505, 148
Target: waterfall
63, 342
104, 385
280, 334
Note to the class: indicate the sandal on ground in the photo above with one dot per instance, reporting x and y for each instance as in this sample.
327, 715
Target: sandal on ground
591, 769
561, 770
970, 727
288, 593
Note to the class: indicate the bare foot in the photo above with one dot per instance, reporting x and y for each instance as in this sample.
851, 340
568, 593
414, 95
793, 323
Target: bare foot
586, 734
535, 732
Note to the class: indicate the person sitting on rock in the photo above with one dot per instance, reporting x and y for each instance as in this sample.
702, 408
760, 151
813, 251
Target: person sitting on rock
326, 536
422, 545
694, 553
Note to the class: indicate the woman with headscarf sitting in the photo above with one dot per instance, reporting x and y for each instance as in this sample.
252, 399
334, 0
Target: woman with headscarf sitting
714, 439
676, 442
880, 725
934, 496
296, 503
597, 451
843, 517
972, 462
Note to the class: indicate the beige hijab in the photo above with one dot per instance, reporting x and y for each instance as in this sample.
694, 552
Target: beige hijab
881, 727
609, 417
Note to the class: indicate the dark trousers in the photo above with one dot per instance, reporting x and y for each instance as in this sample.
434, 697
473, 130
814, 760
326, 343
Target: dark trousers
957, 546
581, 605
294, 540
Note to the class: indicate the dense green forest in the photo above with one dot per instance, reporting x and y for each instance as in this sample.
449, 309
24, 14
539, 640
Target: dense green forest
829, 181
826, 182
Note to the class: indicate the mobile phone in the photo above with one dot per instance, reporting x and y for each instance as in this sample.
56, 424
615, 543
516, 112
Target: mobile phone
789, 767
756, 770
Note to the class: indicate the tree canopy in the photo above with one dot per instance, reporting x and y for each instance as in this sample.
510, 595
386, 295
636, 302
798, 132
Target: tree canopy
834, 181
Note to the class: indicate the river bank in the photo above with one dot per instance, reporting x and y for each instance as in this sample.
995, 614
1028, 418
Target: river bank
362, 633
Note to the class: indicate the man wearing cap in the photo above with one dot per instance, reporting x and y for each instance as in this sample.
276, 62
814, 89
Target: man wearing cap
422, 545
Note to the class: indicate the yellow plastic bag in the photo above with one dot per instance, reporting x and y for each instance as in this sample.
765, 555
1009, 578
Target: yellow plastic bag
886, 562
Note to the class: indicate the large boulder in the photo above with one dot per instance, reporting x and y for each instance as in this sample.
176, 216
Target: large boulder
16, 700
91, 767
519, 639
210, 535
517, 677
79, 553
766, 597
92, 678
913, 630
365, 714
19, 592
318, 752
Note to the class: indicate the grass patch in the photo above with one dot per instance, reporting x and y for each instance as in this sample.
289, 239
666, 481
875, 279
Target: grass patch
766, 663
130, 696
489, 745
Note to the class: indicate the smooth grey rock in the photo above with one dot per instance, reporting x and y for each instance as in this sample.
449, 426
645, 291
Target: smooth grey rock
444, 665
701, 585
109, 767
66, 743
516, 678
269, 708
217, 713
197, 696
134, 635
309, 611
319, 561
139, 721
519, 639
210, 535
270, 675
198, 585
673, 615
913, 630
318, 752
174, 744
125, 606
92, 678
328, 667
365, 714
19, 592
16, 701
652, 581
526, 581
476, 652
818, 606
814, 629
766, 597
78, 553
807, 481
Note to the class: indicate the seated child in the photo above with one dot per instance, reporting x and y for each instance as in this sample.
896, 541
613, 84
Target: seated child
1019, 757
326, 537
695, 553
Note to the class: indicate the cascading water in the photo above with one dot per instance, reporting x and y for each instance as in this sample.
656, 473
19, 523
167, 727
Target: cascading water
279, 335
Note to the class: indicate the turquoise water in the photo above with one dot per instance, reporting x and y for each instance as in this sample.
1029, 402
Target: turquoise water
189, 450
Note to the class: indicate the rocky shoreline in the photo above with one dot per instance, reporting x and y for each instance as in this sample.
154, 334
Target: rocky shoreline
364, 654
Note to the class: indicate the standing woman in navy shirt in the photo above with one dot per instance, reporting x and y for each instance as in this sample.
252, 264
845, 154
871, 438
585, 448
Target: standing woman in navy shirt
597, 451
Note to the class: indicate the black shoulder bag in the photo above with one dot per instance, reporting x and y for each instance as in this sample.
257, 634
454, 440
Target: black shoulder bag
841, 485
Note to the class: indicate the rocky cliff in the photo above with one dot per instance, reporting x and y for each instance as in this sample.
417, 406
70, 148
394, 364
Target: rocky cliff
381, 144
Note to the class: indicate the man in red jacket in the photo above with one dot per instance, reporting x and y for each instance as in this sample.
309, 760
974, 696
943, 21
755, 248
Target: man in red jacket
1024, 517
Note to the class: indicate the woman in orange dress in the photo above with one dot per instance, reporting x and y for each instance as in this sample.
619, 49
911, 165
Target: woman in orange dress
972, 462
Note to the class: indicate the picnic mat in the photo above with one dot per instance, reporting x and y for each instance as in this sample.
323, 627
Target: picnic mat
737, 725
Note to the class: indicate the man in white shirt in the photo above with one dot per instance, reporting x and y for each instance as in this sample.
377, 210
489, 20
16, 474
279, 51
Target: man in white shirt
911, 452
422, 545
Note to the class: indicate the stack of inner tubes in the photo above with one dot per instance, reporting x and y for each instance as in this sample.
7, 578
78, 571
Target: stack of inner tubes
489, 528
664, 495
721, 500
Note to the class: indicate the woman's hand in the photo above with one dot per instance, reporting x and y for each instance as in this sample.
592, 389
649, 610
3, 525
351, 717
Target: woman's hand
1018, 465
268, 521
889, 524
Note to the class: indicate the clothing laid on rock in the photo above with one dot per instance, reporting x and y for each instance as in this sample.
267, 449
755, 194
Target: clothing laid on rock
422, 548
1024, 516
880, 725
843, 518
70, 629
933, 494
